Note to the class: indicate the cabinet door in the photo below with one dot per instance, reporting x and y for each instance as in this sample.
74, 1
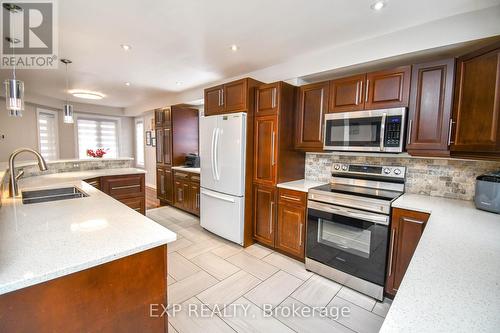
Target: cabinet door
264, 201
267, 100
234, 97
347, 94
388, 88
180, 196
126, 186
169, 186
167, 116
160, 183
265, 144
138, 204
159, 146
159, 117
290, 229
477, 102
194, 198
406, 229
213, 100
313, 103
430, 108
167, 146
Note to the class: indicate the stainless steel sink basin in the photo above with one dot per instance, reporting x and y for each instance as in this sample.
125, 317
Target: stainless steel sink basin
53, 194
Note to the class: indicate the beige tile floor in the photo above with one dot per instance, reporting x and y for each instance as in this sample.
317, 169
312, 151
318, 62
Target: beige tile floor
238, 284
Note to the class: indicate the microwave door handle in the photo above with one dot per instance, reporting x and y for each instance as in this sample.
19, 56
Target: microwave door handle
382, 131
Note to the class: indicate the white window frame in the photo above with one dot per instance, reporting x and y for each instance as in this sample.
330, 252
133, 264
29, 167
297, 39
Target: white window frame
98, 117
143, 164
56, 118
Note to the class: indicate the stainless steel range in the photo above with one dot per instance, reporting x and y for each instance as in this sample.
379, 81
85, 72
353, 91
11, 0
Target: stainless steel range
348, 225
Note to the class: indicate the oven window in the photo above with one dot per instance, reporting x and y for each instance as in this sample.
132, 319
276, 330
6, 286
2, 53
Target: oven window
354, 132
345, 237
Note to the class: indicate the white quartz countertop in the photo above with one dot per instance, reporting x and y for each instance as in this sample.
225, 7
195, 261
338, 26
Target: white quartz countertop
187, 169
453, 281
43, 241
300, 185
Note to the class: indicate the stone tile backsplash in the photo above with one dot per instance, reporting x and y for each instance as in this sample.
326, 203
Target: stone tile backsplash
449, 178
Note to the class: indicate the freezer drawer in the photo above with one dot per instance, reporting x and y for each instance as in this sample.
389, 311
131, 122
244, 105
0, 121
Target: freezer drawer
223, 215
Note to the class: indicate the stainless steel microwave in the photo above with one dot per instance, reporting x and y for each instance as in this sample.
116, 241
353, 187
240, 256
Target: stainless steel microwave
372, 131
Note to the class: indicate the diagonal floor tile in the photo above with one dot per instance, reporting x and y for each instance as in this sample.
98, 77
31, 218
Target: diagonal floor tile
199, 247
258, 250
381, 308
359, 319
253, 265
189, 287
274, 290
179, 267
227, 250
178, 244
357, 298
229, 290
289, 265
317, 291
215, 266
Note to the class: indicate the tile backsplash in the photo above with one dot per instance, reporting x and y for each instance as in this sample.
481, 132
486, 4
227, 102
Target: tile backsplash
450, 178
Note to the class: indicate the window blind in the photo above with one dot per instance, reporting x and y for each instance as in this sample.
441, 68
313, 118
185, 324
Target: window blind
139, 143
97, 133
47, 135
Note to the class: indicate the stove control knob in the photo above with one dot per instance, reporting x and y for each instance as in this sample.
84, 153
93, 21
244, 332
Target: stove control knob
397, 172
344, 167
336, 166
387, 171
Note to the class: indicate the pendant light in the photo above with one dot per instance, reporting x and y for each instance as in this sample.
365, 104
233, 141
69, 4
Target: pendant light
68, 108
14, 89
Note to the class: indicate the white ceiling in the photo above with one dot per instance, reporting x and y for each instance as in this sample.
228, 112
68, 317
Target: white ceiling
189, 40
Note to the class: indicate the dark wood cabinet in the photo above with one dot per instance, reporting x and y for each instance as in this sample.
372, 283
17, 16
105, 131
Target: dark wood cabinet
159, 146
213, 100
95, 182
267, 100
128, 189
236, 96
264, 200
180, 195
476, 113
291, 222
347, 94
429, 114
311, 109
186, 191
167, 146
194, 198
406, 229
164, 184
388, 88
265, 145
159, 117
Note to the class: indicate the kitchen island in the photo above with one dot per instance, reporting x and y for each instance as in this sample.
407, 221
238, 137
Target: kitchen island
84, 264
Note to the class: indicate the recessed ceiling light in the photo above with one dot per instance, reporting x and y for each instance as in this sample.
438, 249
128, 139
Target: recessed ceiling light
378, 5
234, 47
178, 83
127, 84
86, 94
126, 47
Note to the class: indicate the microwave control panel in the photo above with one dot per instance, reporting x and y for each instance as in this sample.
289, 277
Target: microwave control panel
393, 131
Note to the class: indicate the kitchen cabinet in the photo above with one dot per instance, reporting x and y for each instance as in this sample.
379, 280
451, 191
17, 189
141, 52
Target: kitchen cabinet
347, 94
159, 117
311, 109
164, 184
388, 88
236, 96
265, 150
267, 100
264, 201
476, 112
291, 222
429, 115
406, 229
186, 191
167, 145
159, 146
194, 198
95, 182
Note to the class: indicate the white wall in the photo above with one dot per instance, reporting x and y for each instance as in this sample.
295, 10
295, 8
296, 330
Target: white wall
149, 153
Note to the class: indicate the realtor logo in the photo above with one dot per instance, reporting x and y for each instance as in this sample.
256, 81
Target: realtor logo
29, 36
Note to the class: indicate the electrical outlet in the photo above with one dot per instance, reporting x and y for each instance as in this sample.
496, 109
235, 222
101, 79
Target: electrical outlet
2, 137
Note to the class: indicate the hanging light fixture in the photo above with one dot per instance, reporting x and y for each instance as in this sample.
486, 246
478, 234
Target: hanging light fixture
68, 108
14, 89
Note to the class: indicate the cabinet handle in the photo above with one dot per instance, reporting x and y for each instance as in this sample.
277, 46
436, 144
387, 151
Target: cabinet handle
222, 96
289, 198
413, 221
273, 138
300, 234
274, 98
162, 184
180, 195
449, 133
410, 127
197, 200
181, 175
125, 187
359, 89
271, 218
393, 232
366, 91
218, 95
94, 184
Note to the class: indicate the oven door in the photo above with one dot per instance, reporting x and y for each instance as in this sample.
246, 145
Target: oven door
352, 241
355, 131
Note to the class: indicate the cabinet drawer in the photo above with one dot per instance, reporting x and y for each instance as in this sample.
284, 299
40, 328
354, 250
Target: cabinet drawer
95, 182
128, 186
194, 178
137, 204
181, 175
292, 197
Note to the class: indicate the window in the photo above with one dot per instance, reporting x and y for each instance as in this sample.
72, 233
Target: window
139, 143
97, 132
48, 141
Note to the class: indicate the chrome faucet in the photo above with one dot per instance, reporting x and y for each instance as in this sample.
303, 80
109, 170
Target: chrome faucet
13, 188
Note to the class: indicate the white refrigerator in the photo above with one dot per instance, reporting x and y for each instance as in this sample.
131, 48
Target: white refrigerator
222, 162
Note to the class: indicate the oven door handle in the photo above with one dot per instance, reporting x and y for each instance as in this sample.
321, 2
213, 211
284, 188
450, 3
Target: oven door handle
374, 218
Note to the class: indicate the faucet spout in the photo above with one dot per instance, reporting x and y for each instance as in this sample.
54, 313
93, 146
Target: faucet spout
13, 187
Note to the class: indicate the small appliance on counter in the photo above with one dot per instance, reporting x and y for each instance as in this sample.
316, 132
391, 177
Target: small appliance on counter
487, 196
192, 161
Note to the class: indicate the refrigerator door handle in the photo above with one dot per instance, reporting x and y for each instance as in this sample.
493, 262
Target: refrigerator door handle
212, 153
216, 196
216, 155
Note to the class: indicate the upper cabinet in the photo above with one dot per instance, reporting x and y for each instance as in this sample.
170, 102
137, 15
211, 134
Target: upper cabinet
430, 108
388, 88
236, 96
347, 94
476, 112
311, 109
267, 99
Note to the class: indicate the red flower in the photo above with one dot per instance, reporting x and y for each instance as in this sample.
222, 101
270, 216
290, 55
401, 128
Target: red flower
98, 153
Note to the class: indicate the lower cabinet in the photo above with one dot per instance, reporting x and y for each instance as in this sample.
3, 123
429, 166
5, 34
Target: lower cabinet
165, 191
406, 229
281, 225
186, 191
